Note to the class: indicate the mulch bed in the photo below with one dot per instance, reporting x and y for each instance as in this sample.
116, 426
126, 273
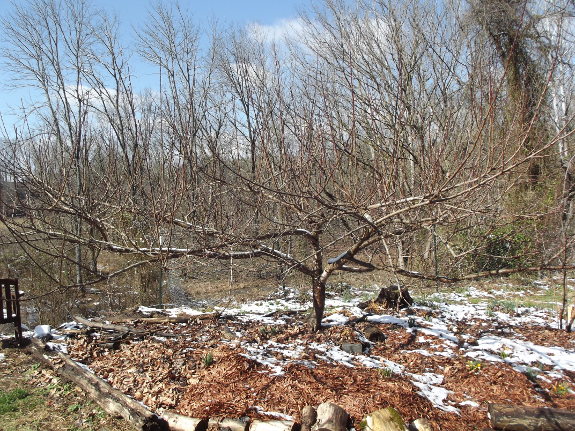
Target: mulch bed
175, 373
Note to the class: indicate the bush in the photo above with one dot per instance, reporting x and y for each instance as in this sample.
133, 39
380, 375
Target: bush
505, 247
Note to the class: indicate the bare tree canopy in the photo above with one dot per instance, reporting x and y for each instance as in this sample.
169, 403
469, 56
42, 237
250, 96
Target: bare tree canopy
379, 134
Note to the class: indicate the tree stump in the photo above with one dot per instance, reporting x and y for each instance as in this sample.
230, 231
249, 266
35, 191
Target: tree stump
394, 296
331, 417
308, 418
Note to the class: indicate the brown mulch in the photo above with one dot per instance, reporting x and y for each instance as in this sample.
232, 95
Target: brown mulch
173, 373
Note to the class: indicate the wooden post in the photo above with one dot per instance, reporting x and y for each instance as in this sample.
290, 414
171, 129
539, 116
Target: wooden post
10, 301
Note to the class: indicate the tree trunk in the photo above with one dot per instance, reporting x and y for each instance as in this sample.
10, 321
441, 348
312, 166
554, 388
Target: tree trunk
318, 289
519, 418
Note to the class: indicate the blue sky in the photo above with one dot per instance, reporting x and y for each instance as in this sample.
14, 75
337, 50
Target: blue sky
132, 13
237, 11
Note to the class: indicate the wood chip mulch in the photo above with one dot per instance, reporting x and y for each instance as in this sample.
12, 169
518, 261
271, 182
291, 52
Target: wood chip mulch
176, 373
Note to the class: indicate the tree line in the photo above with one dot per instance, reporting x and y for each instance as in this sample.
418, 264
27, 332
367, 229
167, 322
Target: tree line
429, 139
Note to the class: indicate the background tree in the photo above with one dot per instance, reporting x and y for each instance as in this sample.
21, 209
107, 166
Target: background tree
385, 128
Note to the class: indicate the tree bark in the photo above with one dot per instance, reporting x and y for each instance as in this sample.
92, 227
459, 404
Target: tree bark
308, 418
228, 424
106, 326
519, 418
318, 289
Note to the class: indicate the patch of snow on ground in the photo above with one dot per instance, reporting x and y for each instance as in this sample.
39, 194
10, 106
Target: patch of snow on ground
257, 355
519, 352
436, 395
2, 357
255, 311
390, 320
170, 312
335, 320
57, 347
469, 403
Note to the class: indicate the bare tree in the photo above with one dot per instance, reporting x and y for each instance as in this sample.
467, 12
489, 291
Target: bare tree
385, 128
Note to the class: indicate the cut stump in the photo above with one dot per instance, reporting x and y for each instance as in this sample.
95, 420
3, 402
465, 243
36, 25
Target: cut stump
331, 417
394, 296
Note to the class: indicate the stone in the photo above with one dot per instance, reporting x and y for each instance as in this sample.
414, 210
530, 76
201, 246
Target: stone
387, 419
352, 348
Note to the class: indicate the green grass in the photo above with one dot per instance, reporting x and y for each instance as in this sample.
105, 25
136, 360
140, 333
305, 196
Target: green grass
386, 373
11, 401
208, 359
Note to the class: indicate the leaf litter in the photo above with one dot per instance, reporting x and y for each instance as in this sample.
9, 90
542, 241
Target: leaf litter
445, 361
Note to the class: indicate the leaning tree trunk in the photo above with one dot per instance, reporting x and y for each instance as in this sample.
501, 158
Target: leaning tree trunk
318, 290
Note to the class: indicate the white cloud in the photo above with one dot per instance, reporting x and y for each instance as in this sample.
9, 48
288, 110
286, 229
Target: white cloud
294, 29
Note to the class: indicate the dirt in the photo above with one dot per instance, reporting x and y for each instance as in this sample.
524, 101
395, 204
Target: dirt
33, 398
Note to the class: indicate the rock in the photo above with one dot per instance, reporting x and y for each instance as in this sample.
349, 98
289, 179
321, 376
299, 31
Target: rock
228, 334
331, 417
387, 419
352, 348
421, 424
472, 341
43, 332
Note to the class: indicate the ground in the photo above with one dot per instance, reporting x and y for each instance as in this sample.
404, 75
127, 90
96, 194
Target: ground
33, 398
444, 359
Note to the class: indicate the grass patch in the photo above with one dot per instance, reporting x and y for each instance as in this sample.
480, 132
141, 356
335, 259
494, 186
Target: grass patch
10, 401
